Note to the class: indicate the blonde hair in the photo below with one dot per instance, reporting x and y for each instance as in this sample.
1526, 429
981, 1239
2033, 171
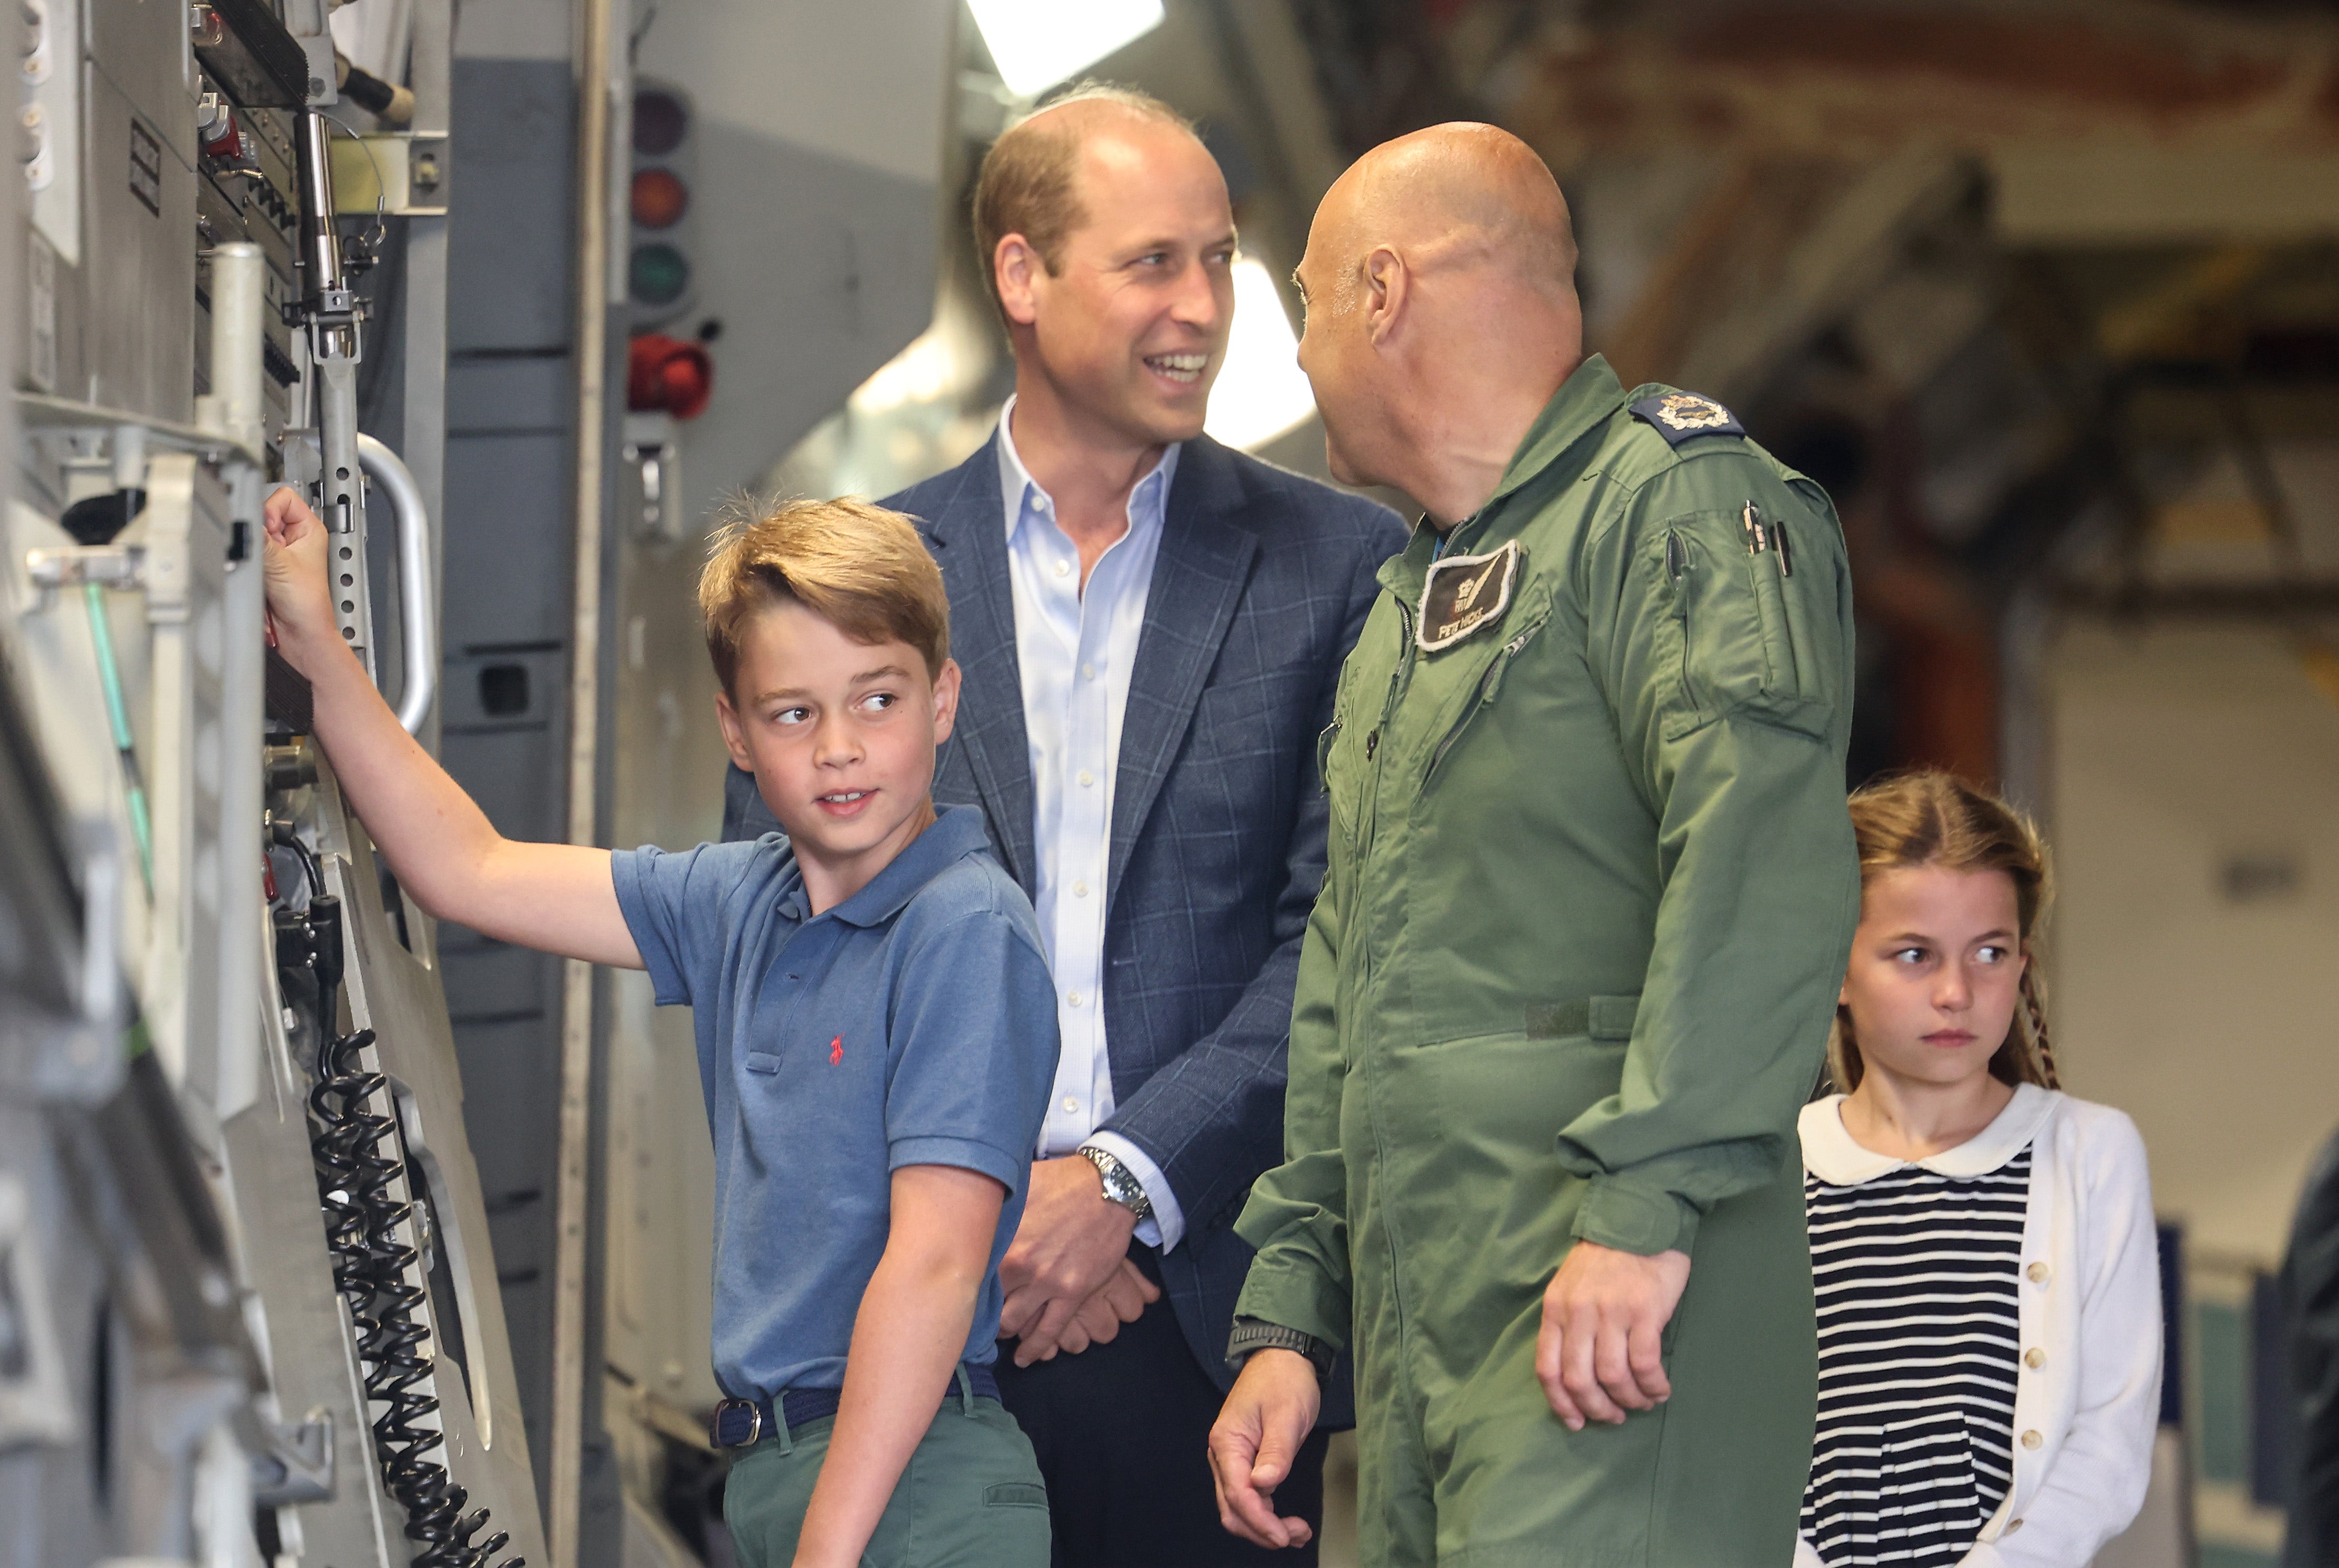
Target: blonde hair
1026, 183
858, 567
1932, 818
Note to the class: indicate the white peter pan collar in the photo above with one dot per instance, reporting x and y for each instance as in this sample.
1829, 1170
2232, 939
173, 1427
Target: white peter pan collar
1834, 1156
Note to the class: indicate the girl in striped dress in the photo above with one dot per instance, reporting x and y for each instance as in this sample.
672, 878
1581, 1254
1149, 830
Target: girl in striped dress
1982, 1245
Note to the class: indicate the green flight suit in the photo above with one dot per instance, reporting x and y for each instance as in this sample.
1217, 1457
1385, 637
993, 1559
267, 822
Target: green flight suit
1592, 886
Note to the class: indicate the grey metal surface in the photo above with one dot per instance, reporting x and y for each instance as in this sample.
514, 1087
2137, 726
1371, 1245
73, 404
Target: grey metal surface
303, 1322
130, 299
185, 1361
398, 994
141, 48
508, 572
421, 356
188, 537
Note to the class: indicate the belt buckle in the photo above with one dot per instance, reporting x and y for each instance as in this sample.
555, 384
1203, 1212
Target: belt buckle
755, 1422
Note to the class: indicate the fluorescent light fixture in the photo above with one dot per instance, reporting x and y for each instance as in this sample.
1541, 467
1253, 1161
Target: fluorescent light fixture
926, 372
1037, 44
1260, 392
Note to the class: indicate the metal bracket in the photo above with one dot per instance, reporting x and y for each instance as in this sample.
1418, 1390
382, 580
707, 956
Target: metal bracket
298, 1467
401, 173
35, 1399
71, 565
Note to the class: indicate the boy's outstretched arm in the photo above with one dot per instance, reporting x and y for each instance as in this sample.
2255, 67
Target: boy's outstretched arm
557, 898
907, 1339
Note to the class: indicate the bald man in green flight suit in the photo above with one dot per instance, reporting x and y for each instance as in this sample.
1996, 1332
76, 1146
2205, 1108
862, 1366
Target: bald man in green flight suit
1592, 885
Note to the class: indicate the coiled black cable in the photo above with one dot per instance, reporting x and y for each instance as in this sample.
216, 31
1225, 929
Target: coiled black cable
357, 1160
356, 1163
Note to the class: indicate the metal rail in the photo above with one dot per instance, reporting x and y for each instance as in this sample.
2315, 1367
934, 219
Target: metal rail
418, 604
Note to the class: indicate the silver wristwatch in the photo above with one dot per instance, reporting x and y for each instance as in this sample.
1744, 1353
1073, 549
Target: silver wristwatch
1120, 1183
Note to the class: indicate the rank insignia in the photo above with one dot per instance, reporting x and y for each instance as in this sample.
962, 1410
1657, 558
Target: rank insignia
1678, 416
1466, 593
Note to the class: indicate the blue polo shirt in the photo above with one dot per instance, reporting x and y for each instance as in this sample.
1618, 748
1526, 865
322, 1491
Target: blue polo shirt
912, 1024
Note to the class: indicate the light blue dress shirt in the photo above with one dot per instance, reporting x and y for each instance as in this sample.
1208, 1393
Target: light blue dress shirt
1075, 650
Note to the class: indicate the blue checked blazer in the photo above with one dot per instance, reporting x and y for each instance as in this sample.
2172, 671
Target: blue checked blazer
1218, 821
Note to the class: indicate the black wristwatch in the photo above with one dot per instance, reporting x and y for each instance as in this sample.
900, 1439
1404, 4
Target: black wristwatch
1256, 1333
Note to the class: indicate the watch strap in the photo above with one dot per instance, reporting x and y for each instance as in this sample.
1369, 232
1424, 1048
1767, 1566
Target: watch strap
1253, 1333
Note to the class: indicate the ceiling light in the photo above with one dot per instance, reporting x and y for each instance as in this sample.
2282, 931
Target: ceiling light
1037, 44
1261, 393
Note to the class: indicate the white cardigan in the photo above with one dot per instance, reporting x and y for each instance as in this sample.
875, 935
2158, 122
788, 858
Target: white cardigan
2088, 1398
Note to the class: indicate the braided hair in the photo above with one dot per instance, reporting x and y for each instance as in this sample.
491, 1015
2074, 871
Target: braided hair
1932, 818
2033, 1019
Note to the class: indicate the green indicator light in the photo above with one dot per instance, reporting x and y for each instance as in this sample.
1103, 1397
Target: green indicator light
658, 275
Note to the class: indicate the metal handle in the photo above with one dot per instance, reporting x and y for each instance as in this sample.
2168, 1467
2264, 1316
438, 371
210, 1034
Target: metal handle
418, 607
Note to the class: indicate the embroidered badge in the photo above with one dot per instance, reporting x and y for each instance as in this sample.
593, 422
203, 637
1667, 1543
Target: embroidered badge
836, 1050
1465, 593
1678, 416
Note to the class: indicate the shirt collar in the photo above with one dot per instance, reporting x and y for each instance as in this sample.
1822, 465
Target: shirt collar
1585, 400
954, 834
1149, 498
1831, 1154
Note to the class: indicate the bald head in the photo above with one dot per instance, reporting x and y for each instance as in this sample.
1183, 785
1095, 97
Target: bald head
1440, 281
1455, 197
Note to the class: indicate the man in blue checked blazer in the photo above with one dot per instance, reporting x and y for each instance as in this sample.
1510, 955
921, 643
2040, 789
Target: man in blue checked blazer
1151, 628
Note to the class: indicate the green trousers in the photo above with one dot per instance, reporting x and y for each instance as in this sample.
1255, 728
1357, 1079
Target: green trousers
1461, 1461
969, 1497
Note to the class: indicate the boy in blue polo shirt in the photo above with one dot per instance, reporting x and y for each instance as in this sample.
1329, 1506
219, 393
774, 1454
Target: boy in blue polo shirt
876, 1027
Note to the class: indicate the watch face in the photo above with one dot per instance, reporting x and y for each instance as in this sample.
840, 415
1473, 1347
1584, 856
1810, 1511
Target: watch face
1121, 1186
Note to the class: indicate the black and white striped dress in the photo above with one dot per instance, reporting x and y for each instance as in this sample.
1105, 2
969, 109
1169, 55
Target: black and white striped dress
1920, 1332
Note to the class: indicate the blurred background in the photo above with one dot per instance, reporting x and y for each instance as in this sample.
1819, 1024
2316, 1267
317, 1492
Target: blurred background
2045, 292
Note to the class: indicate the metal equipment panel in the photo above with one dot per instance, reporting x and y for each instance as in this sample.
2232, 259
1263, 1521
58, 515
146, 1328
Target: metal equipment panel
137, 278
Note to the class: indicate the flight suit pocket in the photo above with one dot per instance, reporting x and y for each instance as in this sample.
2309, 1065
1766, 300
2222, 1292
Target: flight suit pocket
1489, 684
1741, 638
1467, 1134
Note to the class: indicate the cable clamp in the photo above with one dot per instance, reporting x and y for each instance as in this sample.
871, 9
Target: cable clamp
71, 565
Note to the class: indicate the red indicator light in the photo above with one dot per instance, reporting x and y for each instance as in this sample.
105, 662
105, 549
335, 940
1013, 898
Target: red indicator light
659, 198
668, 374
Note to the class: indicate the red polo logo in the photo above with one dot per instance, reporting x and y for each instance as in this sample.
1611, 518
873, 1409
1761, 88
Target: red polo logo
836, 1050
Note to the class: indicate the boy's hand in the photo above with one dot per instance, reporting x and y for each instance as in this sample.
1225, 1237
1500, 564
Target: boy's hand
295, 561
553, 897
1267, 1416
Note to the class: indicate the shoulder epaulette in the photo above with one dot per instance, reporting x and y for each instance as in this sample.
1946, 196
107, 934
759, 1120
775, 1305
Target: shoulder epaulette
1679, 417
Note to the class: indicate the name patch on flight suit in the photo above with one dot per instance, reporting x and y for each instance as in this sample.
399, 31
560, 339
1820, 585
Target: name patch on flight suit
1463, 594
1678, 416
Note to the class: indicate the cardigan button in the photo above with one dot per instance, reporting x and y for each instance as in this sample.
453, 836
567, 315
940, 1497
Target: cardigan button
2039, 1272
2031, 1439
2011, 1526
2034, 1359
